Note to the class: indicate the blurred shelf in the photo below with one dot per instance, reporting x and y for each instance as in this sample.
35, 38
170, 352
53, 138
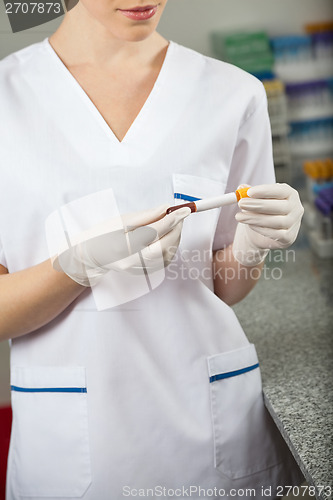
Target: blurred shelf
295, 72
311, 149
311, 113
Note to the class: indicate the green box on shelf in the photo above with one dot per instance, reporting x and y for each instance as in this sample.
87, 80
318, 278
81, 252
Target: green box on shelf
236, 45
255, 64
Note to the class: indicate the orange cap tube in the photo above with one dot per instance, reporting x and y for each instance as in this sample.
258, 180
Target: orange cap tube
242, 193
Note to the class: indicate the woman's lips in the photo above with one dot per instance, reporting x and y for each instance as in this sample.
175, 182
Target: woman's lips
140, 13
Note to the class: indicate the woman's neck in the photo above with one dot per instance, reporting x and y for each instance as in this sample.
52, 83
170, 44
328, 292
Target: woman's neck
82, 40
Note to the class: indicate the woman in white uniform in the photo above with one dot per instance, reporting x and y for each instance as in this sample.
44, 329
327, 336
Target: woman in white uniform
156, 393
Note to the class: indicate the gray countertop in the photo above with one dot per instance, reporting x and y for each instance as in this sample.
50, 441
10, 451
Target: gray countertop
289, 317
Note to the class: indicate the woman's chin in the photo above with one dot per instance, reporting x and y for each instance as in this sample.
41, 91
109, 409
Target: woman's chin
134, 34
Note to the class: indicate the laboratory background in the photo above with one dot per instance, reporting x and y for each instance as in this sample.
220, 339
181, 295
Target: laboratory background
288, 44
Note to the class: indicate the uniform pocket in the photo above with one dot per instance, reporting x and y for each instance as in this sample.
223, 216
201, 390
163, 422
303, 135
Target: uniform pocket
244, 434
50, 446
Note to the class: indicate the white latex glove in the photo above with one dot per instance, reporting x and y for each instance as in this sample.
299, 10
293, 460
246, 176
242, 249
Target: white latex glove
270, 218
138, 242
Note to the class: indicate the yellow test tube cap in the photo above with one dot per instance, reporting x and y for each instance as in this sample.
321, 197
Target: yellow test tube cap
319, 27
242, 193
329, 162
307, 167
314, 171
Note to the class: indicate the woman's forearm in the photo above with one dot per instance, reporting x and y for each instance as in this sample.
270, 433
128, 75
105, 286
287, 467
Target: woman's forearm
33, 297
232, 280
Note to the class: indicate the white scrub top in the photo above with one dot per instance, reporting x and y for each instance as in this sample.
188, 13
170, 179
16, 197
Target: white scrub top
162, 393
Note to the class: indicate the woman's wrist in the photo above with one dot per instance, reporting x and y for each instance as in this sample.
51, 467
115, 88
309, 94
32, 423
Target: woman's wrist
33, 297
232, 280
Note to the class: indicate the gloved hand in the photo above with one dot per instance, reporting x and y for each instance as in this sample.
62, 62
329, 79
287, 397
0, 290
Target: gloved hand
138, 242
269, 219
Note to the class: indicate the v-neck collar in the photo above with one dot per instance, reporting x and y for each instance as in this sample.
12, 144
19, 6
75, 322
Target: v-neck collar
141, 116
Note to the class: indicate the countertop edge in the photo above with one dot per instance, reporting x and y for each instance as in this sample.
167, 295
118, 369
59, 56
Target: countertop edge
293, 450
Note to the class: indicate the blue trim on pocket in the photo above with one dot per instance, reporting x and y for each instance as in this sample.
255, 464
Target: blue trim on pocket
220, 376
186, 197
48, 389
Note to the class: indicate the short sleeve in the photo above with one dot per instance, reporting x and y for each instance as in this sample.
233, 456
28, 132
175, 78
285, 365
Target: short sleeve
252, 164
